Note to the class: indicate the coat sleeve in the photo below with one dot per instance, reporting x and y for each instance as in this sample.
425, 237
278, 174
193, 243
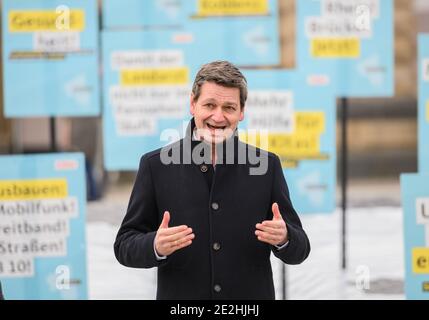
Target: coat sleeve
298, 248
134, 242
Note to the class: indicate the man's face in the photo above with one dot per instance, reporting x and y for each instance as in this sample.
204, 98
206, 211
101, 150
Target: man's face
216, 112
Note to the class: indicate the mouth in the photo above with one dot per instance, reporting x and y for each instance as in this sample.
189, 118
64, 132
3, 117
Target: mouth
212, 127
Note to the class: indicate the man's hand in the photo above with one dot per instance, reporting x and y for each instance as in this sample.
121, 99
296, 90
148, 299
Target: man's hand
168, 240
273, 231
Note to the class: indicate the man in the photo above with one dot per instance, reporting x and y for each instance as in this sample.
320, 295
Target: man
210, 226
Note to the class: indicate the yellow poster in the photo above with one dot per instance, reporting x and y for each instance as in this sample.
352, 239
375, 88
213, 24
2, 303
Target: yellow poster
33, 189
302, 144
420, 258
232, 7
157, 76
46, 20
335, 48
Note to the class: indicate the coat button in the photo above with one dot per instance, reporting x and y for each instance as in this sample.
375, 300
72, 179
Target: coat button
215, 206
217, 288
216, 246
204, 168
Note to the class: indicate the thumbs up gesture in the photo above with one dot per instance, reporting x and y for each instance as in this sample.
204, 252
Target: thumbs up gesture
273, 231
168, 240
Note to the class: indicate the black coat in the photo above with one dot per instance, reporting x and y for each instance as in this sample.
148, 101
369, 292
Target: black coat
223, 210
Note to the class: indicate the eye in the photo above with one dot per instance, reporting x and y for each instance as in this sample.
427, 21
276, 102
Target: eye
230, 108
209, 105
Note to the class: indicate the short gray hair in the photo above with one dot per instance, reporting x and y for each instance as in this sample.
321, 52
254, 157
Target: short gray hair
223, 73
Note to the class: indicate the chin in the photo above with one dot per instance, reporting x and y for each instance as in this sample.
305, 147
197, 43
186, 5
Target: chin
214, 139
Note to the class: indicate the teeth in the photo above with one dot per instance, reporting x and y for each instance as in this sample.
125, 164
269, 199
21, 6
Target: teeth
215, 127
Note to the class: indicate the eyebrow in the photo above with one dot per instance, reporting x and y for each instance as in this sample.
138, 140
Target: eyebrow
214, 101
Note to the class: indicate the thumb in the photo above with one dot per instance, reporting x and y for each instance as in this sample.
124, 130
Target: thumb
276, 212
165, 220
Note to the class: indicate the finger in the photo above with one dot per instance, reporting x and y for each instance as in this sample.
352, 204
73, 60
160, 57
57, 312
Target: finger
271, 230
183, 245
172, 230
171, 243
276, 212
178, 236
262, 239
268, 236
275, 224
178, 243
165, 220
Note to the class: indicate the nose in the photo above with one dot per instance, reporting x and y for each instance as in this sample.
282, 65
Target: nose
218, 115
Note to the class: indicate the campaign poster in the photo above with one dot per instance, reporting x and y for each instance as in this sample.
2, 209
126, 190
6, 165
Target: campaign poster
296, 121
42, 226
423, 111
349, 44
415, 203
50, 58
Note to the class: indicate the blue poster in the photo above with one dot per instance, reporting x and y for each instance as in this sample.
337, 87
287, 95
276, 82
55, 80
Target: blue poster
144, 14
298, 121
147, 85
415, 202
423, 113
50, 58
42, 226
247, 30
242, 31
349, 44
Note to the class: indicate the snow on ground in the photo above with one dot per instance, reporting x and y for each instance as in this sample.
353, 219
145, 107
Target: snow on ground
375, 257
375, 260
107, 279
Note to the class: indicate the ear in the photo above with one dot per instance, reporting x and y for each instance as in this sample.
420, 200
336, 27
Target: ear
242, 114
192, 104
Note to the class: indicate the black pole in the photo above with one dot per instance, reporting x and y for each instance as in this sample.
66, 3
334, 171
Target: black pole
284, 296
344, 171
53, 134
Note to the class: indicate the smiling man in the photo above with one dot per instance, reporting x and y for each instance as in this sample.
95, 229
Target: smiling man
216, 110
210, 224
